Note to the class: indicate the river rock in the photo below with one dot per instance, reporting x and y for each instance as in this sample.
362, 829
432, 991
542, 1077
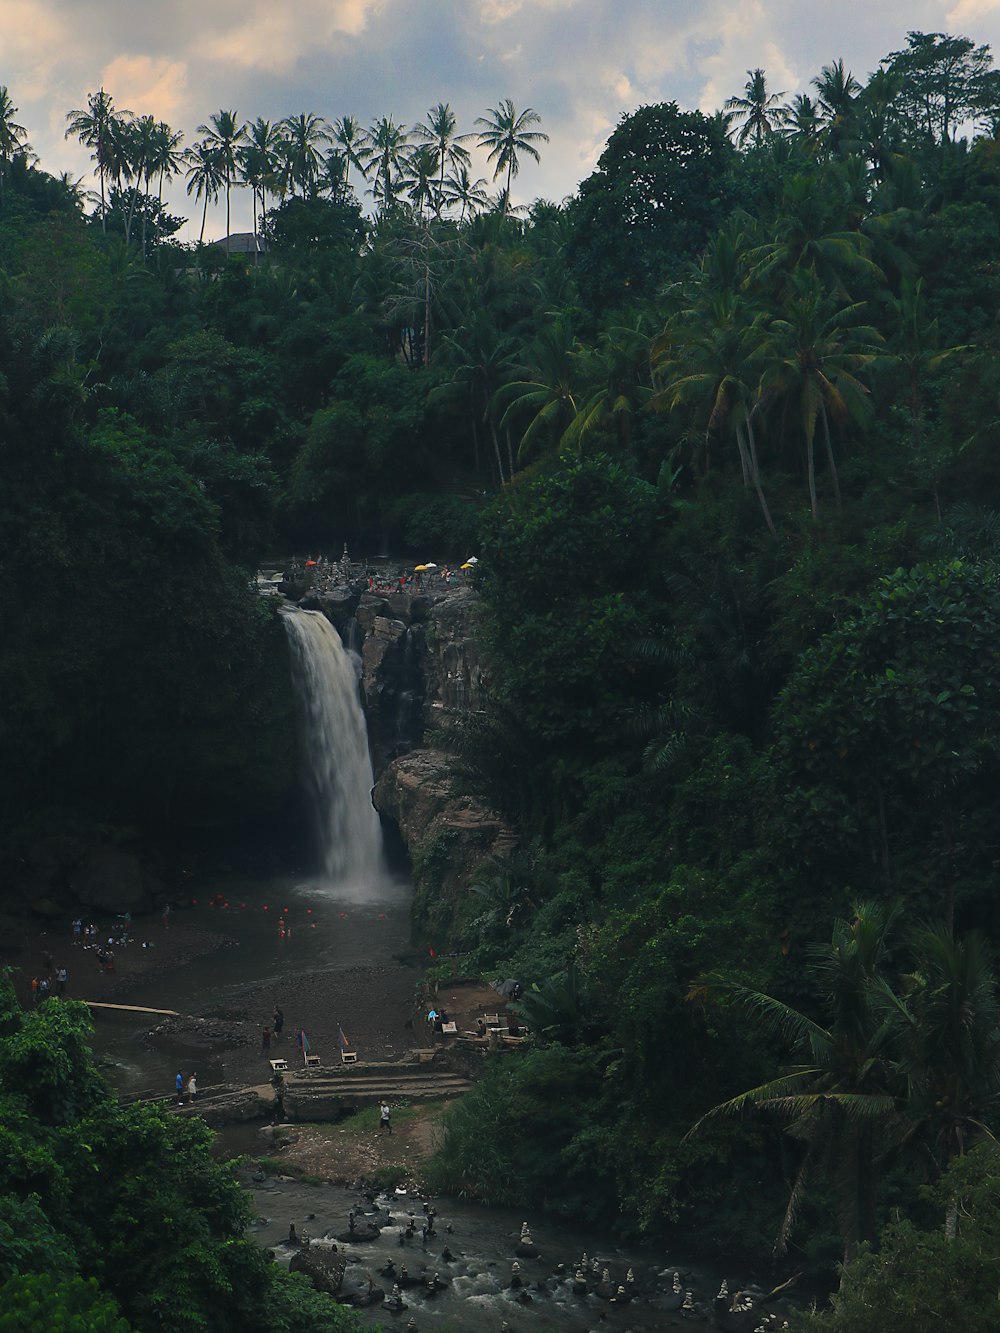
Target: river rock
323, 1267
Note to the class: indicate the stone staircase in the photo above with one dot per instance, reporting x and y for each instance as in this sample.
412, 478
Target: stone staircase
321, 1094
324, 1093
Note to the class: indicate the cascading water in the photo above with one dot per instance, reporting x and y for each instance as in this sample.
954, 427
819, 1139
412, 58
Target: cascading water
336, 740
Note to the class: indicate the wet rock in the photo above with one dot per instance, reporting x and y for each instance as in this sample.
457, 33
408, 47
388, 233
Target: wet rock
323, 1267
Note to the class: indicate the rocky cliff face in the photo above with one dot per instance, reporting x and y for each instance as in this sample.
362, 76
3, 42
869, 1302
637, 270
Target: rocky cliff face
421, 666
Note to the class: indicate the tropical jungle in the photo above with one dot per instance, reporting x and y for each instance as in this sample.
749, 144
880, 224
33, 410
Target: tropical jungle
723, 430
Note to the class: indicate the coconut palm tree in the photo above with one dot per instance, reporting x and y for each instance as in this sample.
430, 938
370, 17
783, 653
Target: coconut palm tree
801, 123
94, 126
543, 402
225, 135
616, 372
948, 1028
205, 177
459, 188
836, 91
507, 134
303, 137
260, 159
352, 141
388, 142
419, 178
13, 137
167, 158
812, 358
333, 176
839, 1098
140, 141
757, 114
439, 130
705, 359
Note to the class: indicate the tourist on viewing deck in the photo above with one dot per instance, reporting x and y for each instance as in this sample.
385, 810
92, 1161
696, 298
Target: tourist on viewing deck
384, 1116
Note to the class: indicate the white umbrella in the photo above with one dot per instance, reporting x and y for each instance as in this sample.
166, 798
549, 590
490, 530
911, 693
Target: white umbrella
430, 565
472, 560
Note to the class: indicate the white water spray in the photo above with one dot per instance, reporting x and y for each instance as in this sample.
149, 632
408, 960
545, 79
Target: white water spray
336, 740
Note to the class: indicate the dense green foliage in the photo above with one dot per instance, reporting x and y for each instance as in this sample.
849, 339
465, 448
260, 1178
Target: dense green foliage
117, 1217
724, 427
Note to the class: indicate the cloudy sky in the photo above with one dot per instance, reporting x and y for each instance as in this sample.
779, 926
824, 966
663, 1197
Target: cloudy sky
580, 64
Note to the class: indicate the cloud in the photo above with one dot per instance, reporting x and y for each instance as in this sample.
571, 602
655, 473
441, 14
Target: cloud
276, 37
971, 11
151, 86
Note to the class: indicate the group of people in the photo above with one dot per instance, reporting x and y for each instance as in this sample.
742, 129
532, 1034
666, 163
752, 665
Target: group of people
271, 1032
186, 1088
50, 980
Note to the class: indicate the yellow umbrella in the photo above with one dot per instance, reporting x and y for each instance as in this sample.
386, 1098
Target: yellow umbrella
468, 565
420, 569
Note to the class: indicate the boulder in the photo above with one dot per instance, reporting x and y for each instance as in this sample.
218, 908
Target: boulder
322, 1266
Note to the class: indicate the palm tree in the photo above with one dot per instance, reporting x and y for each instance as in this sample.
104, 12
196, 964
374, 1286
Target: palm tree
811, 234
141, 145
352, 141
460, 188
303, 136
836, 89
388, 142
333, 176
706, 358
618, 370
840, 1097
167, 158
759, 113
948, 1027
225, 136
205, 177
13, 137
419, 178
801, 122
481, 359
546, 396
507, 134
439, 131
94, 127
812, 358
259, 162
879, 127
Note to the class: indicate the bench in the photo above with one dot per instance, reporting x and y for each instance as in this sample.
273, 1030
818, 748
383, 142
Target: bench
449, 1029
278, 1066
312, 1061
348, 1057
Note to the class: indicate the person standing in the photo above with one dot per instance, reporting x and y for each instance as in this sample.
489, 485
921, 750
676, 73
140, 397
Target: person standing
77, 931
62, 976
385, 1114
179, 1086
265, 1041
278, 1023
192, 1088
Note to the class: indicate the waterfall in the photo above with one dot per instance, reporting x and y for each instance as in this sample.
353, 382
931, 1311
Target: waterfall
336, 742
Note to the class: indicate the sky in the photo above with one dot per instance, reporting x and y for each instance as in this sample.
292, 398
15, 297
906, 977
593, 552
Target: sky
580, 64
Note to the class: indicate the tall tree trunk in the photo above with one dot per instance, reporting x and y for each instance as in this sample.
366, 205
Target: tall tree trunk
204, 215
427, 315
829, 452
755, 474
496, 449
811, 477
